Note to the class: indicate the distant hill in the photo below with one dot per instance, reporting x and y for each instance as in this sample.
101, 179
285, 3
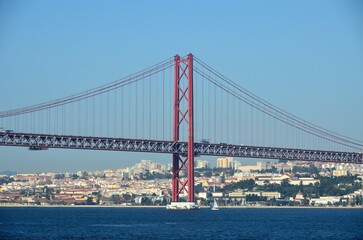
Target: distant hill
9, 173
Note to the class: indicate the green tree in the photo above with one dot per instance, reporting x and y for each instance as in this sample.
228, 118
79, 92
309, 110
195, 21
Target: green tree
116, 199
48, 192
255, 198
244, 184
59, 176
89, 201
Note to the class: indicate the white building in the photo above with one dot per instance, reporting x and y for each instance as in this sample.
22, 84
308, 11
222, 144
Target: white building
324, 200
258, 167
202, 164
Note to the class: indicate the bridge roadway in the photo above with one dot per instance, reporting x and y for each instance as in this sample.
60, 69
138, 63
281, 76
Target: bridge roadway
45, 141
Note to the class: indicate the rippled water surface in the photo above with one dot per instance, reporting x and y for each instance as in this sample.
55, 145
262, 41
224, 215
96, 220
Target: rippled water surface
159, 223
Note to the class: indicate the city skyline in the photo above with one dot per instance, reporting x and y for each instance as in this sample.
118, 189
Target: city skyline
292, 183
212, 162
289, 48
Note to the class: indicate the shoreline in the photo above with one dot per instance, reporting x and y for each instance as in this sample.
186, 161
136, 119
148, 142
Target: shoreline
202, 207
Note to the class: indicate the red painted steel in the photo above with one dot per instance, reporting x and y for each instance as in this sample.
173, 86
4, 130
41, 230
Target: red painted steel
175, 168
183, 71
190, 131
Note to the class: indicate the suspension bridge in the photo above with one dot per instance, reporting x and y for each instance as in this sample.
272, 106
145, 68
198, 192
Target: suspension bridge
180, 106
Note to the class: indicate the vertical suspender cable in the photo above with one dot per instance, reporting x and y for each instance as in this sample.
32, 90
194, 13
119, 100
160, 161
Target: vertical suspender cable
86, 117
263, 130
56, 120
156, 106
122, 118
275, 135
63, 119
24, 121
79, 117
257, 128
48, 121
108, 114
171, 102
203, 105
71, 117
209, 110
252, 125
143, 107
100, 115
196, 102
129, 108
228, 119
215, 113
221, 115
245, 125
115, 115
163, 104
297, 138
150, 106
40, 121
269, 131
286, 129
93, 116
234, 119
136, 106
239, 132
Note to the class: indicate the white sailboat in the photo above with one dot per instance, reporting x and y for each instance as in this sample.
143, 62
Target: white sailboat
215, 206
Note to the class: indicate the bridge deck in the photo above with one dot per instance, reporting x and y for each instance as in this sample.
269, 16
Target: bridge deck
45, 141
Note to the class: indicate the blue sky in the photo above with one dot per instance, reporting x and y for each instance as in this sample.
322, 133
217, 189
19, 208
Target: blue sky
303, 56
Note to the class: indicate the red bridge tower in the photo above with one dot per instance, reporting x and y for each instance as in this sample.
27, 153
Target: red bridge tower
183, 114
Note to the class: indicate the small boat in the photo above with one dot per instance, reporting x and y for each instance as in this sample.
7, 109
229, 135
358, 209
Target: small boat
214, 206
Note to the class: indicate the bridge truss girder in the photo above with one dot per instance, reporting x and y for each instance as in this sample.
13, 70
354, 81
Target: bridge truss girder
180, 148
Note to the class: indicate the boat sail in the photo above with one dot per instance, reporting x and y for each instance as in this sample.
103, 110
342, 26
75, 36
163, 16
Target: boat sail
215, 206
